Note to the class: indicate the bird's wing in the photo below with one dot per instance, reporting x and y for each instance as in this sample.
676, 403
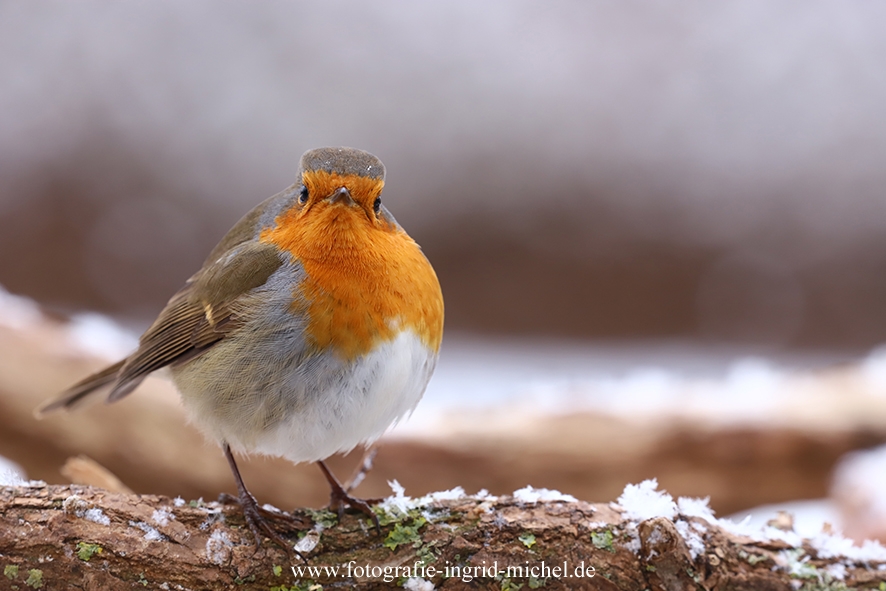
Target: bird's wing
202, 313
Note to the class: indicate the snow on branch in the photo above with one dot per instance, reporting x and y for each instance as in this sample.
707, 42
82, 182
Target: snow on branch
75, 537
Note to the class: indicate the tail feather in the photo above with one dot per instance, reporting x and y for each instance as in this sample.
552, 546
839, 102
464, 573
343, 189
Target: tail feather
76, 393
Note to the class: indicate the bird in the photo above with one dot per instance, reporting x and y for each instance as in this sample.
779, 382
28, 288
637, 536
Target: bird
313, 326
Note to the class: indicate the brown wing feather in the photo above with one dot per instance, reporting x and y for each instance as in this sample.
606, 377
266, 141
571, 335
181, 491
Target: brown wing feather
70, 397
199, 315
196, 317
168, 340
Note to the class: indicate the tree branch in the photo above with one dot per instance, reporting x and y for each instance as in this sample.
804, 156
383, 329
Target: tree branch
84, 538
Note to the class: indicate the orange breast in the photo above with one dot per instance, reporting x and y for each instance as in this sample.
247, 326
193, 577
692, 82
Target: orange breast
364, 284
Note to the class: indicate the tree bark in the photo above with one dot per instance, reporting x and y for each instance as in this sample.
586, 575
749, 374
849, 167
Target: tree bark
84, 538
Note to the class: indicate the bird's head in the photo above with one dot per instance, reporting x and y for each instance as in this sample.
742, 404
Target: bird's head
343, 186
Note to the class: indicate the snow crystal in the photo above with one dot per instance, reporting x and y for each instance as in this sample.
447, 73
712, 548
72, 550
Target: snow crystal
643, 501
398, 502
95, 514
835, 545
418, 584
452, 494
178, 502
690, 507
796, 563
151, 534
739, 528
211, 520
310, 541
836, 571
484, 495
633, 544
654, 538
762, 534
533, 495
162, 516
11, 474
769, 533
693, 541
77, 506
218, 547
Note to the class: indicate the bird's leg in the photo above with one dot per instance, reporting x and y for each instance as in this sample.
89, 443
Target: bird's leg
339, 497
251, 511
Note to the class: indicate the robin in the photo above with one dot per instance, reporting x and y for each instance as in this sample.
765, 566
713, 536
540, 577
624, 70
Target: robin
313, 326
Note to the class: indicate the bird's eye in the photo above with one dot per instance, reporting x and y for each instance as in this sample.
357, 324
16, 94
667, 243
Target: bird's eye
303, 196
377, 205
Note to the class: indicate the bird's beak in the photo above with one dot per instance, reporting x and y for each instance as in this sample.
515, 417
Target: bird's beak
341, 195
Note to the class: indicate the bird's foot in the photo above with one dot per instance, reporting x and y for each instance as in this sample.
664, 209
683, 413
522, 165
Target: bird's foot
259, 519
339, 499
270, 514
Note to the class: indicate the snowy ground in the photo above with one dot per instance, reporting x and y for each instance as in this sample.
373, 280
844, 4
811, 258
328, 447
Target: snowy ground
476, 371
809, 516
712, 384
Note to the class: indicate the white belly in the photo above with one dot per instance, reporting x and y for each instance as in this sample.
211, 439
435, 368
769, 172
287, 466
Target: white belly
303, 410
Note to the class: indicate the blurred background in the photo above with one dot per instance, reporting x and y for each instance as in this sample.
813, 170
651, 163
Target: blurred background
640, 214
